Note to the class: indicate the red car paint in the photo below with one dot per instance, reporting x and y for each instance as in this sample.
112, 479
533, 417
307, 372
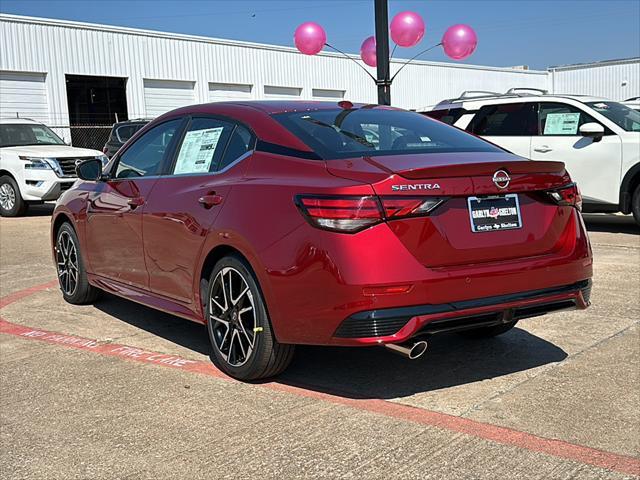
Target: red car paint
147, 239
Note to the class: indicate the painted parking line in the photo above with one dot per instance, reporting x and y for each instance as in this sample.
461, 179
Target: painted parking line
557, 448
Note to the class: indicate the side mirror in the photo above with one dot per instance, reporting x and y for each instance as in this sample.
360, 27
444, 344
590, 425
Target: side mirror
592, 130
90, 170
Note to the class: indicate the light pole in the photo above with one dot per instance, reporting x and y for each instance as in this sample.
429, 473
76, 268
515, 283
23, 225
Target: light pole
382, 52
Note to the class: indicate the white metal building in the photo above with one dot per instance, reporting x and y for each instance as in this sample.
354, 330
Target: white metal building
63, 72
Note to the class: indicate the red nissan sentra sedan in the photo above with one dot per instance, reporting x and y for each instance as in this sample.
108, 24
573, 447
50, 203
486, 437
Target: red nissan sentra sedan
283, 223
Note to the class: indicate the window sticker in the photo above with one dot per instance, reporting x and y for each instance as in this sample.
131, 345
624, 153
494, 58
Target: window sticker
198, 150
561, 124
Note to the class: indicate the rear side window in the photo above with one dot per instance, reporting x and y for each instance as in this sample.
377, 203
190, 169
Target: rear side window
145, 156
447, 115
561, 119
241, 142
512, 119
125, 132
377, 131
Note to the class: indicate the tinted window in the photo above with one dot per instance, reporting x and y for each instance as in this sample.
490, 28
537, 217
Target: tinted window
241, 142
144, 157
371, 132
202, 147
512, 119
621, 115
448, 116
18, 134
125, 132
561, 119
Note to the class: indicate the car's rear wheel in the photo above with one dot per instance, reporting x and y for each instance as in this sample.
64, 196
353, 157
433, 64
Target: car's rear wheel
635, 204
72, 275
11, 202
488, 332
243, 342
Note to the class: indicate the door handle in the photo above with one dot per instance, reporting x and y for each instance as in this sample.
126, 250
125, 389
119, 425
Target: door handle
542, 149
135, 202
209, 200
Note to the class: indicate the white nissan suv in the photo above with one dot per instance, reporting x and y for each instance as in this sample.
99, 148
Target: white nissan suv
597, 139
35, 165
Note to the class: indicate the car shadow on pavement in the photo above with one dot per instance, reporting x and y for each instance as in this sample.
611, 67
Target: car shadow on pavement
603, 222
44, 210
450, 360
177, 330
367, 372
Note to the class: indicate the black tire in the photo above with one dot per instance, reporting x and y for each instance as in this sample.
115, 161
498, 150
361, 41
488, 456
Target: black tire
230, 334
488, 332
635, 204
76, 290
9, 192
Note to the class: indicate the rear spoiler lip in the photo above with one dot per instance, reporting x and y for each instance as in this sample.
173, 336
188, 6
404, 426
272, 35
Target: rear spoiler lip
484, 168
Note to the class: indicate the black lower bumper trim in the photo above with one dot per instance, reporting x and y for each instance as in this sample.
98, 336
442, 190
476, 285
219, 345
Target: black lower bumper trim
384, 322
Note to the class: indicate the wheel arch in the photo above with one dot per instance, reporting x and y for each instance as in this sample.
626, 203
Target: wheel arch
627, 187
212, 257
7, 173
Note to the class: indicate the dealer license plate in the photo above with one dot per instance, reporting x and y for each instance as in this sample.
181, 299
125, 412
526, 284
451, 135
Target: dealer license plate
489, 214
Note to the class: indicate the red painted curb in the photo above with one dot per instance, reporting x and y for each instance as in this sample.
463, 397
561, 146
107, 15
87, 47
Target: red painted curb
506, 436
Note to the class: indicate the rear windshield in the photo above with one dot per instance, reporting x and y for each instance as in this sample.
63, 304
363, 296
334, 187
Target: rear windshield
373, 132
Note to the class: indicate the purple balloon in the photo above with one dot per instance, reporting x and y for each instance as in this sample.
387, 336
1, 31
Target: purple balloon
368, 51
407, 29
459, 41
309, 38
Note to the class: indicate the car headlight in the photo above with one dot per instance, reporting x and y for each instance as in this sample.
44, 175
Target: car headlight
104, 159
38, 163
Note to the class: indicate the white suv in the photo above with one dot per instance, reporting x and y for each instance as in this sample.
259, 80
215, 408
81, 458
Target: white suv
598, 140
35, 165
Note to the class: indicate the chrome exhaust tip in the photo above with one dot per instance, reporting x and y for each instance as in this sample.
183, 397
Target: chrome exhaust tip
412, 351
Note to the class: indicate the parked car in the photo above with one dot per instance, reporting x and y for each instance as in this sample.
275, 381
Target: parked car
598, 140
35, 165
633, 103
120, 133
279, 223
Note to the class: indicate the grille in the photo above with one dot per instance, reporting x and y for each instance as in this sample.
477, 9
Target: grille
354, 327
68, 165
65, 186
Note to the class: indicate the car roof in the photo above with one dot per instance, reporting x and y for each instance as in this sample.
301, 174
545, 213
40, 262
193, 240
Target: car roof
14, 121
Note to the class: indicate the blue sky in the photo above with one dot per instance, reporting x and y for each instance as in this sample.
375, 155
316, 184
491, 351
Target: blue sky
536, 33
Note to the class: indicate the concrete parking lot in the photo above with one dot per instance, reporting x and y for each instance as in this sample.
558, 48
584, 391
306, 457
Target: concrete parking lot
117, 390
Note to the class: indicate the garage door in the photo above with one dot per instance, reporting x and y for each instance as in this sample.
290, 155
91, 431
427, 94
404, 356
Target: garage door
23, 94
220, 92
160, 96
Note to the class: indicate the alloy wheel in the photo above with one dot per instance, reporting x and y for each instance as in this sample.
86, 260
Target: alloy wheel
67, 259
7, 196
233, 316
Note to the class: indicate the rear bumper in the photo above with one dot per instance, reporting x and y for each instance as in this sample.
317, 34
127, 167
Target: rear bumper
396, 325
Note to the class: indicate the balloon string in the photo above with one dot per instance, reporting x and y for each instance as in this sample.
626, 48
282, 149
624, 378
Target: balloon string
395, 45
353, 60
413, 58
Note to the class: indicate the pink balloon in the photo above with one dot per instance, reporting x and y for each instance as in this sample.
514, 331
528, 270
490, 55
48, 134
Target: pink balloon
407, 29
368, 51
309, 38
459, 41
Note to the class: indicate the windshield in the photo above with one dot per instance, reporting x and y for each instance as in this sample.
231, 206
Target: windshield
22, 134
619, 114
375, 131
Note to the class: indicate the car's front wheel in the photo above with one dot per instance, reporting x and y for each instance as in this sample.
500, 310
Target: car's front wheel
11, 202
244, 345
72, 275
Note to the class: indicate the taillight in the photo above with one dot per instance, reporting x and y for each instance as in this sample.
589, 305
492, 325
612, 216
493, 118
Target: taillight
351, 214
343, 214
397, 207
568, 195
